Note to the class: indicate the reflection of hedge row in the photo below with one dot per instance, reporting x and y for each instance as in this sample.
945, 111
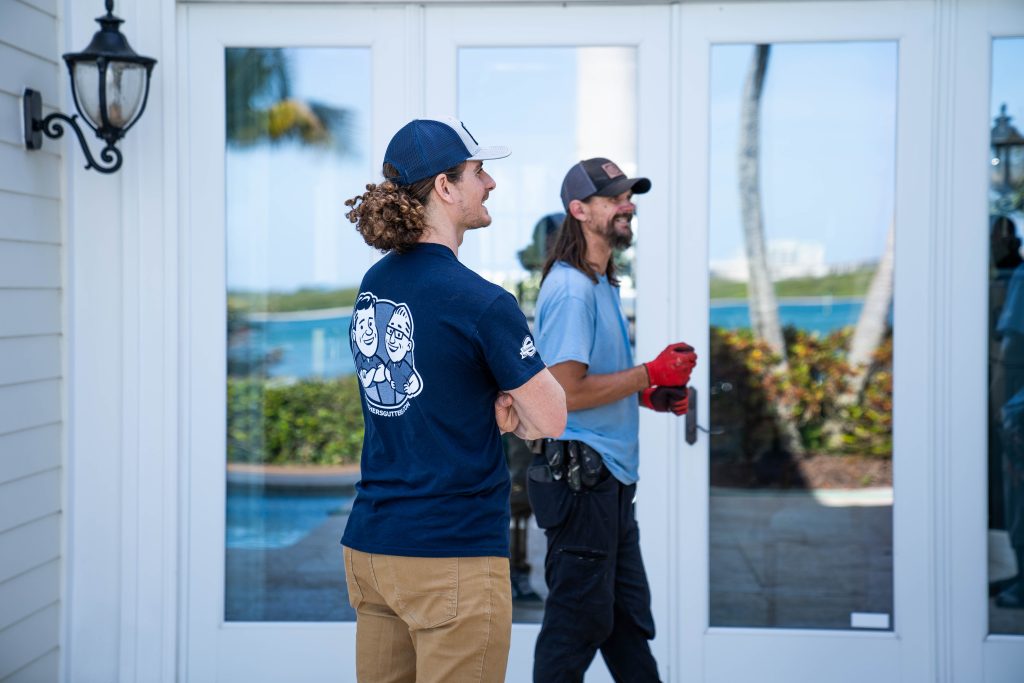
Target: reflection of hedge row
316, 422
818, 373
321, 422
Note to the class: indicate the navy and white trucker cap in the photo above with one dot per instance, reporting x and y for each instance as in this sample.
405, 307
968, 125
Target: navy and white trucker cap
601, 177
426, 147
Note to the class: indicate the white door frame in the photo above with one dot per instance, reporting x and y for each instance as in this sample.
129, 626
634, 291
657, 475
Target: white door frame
212, 649
713, 654
646, 28
965, 113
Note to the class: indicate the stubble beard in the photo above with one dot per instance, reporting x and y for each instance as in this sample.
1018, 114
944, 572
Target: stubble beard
619, 239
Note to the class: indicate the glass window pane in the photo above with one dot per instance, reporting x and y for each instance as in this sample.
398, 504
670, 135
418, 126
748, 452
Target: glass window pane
297, 129
802, 196
553, 106
1006, 342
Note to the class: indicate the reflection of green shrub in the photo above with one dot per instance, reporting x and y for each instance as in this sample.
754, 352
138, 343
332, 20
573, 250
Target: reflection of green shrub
817, 375
316, 422
305, 299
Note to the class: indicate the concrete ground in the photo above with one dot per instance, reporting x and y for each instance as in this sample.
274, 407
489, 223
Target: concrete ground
778, 559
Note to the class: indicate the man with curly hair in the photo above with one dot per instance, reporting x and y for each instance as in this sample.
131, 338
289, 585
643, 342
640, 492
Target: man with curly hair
427, 542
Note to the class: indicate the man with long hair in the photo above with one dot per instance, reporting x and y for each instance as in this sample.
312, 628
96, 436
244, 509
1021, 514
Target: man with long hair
583, 484
427, 542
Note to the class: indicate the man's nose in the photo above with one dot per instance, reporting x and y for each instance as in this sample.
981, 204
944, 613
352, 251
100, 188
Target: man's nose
489, 183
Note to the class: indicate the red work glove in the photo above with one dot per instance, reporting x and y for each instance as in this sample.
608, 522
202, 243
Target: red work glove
672, 367
666, 399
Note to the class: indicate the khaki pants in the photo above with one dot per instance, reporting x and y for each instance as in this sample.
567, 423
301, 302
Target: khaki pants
426, 620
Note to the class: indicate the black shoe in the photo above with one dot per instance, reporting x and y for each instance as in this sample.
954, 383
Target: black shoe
1012, 597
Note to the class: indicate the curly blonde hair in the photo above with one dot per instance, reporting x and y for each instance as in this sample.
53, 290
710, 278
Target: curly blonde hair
390, 216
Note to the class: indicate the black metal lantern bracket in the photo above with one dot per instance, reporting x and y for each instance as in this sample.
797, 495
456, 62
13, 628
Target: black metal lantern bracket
110, 111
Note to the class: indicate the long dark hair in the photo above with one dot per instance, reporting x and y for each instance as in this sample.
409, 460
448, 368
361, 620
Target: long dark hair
571, 247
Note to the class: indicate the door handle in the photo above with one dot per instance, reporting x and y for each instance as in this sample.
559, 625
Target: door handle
691, 419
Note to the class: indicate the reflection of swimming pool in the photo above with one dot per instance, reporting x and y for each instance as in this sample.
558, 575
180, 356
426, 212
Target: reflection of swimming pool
267, 518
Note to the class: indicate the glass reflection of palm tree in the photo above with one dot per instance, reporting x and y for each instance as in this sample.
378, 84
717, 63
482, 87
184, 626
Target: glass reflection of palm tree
261, 108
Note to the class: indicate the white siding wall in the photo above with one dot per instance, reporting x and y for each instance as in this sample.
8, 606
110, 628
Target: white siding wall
30, 351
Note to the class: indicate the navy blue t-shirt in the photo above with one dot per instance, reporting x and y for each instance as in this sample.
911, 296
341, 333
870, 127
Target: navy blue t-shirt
433, 344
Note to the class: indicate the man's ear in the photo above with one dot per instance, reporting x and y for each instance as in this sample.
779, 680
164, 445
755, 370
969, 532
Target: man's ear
578, 210
444, 188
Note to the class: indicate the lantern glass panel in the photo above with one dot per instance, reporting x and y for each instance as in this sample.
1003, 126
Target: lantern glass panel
87, 88
1015, 161
125, 85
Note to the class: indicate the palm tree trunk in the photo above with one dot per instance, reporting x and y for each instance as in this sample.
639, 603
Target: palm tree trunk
764, 309
867, 336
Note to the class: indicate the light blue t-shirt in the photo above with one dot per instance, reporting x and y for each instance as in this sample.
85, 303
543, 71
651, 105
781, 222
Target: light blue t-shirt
578, 320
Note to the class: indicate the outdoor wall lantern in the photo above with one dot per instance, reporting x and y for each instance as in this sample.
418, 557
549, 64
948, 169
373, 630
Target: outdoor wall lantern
1007, 154
110, 86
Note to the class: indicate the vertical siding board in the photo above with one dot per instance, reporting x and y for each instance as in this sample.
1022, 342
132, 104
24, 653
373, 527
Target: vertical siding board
36, 173
29, 499
29, 29
29, 359
29, 405
47, 6
29, 218
22, 70
46, 668
29, 451
29, 312
27, 265
29, 592
31, 320
28, 639
28, 546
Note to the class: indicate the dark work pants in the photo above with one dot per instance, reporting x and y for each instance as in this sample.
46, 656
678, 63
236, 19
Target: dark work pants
598, 594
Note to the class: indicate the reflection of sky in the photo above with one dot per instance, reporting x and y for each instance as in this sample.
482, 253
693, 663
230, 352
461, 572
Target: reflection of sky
828, 140
285, 203
828, 122
524, 98
552, 106
1008, 79
1008, 86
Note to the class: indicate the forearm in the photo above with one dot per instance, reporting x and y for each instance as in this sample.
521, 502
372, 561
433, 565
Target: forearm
539, 407
592, 390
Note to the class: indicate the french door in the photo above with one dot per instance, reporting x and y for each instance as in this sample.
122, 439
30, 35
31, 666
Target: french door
289, 111
796, 527
789, 529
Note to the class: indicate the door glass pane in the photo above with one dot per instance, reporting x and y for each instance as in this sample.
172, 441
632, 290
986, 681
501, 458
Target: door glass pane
297, 129
1006, 342
553, 107
801, 221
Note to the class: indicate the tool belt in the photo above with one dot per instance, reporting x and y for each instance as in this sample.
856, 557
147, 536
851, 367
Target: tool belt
580, 465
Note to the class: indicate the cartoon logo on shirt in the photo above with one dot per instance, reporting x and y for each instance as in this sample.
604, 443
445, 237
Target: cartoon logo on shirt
388, 376
528, 349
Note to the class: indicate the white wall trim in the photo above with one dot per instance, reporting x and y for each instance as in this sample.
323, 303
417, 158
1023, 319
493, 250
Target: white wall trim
120, 618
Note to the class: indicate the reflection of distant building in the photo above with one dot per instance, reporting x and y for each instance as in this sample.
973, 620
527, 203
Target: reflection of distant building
786, 259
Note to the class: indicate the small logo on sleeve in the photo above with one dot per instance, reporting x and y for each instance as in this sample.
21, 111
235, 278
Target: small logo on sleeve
527, 350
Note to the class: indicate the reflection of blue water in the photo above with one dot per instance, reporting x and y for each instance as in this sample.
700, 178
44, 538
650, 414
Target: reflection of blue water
305, 348
320, 348
813, 315
259, 518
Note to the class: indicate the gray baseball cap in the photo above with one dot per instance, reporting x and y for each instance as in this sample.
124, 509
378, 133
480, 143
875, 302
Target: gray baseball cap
601, 177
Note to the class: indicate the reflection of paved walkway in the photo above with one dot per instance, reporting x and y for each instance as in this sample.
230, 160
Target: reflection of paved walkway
301, 582
787, 559
800, 559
